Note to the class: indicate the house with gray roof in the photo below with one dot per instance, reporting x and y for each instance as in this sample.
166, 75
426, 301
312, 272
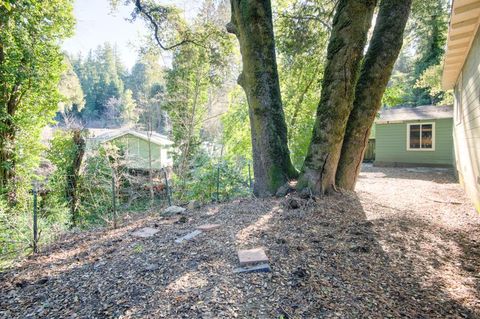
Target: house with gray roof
419, 136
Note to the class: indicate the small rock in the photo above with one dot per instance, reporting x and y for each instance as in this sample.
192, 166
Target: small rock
360, 249
283, 190
172, 210
193, 204
292, 203
152, 267
182, 220
305, 193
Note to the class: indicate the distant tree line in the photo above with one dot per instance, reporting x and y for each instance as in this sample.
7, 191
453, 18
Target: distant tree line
100, 91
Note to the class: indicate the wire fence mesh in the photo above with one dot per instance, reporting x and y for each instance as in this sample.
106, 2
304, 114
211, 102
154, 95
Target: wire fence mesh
105, 193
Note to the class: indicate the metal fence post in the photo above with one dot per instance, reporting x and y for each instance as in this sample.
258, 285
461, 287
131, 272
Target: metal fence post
167, 188
35, 222
218, 182
114, 201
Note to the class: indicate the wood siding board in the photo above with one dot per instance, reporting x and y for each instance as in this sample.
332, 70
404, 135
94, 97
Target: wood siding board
467, 131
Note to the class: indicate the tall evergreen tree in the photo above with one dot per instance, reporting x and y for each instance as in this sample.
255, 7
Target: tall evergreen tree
101, 75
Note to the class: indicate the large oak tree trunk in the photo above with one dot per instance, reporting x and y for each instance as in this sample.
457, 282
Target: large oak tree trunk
378, 64
351, 23
252, 24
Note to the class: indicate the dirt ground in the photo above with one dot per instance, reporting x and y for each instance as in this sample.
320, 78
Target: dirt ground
406, 245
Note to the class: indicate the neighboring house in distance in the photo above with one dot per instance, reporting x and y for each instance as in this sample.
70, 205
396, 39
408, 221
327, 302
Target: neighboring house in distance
461, 71
135, 145
420, 136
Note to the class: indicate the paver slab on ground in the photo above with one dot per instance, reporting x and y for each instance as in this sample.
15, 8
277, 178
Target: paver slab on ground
145, 232
188, 236
208, 227
252, 256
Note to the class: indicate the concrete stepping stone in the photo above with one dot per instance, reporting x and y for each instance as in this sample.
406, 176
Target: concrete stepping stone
252, 256
251, 269
145, 232
172, 210
188, 236
208, 227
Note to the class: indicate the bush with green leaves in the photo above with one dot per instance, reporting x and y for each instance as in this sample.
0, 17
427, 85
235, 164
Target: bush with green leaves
205, 173
103, 166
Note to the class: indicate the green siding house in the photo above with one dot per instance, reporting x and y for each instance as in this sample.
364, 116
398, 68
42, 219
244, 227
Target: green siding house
136, 146
420, 136
461, 72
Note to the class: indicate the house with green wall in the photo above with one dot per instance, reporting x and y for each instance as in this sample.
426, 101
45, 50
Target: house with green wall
461, 72
138, 146
420, 136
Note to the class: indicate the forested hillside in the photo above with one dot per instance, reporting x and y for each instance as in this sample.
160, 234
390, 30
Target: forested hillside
101, 92
234, 132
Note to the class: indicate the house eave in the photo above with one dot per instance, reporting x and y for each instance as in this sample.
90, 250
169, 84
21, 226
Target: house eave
464, 24
153, 140
411, 120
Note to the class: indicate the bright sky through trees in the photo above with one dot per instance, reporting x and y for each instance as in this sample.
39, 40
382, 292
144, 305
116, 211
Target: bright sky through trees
97, 24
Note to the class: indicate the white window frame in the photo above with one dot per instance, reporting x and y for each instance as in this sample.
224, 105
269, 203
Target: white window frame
421, 149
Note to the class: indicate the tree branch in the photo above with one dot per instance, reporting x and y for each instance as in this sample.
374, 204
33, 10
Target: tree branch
147, 13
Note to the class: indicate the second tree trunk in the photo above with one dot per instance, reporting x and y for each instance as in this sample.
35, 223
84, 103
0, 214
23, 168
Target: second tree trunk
349, 33
252, 24
382, 53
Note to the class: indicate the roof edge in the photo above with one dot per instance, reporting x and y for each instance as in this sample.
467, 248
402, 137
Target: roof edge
463, 28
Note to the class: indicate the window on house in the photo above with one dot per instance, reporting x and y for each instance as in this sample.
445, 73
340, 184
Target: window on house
421, 136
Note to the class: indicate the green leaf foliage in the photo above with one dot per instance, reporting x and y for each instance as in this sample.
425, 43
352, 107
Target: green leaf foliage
31, 64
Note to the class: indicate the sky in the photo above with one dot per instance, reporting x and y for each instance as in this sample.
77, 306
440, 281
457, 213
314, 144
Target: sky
97, 24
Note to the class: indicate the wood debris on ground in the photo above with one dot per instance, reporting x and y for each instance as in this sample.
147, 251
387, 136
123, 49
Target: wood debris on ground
384, 252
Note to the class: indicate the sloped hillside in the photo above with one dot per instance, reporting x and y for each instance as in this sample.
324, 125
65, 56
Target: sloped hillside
406, 246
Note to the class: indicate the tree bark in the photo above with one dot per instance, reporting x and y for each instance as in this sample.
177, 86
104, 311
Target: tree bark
377, 67
7, 142
73, 174
10, 97
252, 23
349, 33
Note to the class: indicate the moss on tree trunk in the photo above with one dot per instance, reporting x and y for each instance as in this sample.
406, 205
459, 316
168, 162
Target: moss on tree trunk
252, 24
349, 33
382, 53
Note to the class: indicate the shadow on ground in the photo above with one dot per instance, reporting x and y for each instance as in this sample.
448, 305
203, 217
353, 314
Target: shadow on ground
431, 174
330, 259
